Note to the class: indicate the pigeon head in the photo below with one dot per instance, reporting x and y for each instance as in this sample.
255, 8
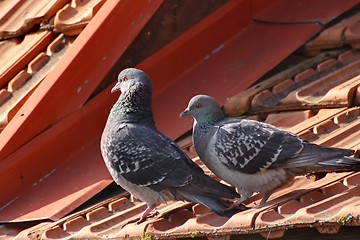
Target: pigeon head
203, 108
131, 78
134, 103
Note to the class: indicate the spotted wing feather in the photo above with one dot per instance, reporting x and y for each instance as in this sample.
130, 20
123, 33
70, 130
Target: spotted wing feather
250, 147
146, 157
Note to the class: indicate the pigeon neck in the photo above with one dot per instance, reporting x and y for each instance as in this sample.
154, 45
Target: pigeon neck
212, 118
204, 124
134, 105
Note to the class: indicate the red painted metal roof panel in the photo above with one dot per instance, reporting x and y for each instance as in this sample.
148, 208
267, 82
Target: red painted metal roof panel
305, 11
247, 57
55, 194
80, 153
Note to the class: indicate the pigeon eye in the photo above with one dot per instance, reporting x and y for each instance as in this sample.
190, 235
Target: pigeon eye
199, 105
124, 79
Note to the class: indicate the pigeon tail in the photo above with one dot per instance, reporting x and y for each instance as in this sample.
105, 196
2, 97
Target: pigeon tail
344, 164
208, 186
315, 159
217, 205
210, 193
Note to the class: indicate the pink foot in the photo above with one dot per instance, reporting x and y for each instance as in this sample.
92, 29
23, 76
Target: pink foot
146, 214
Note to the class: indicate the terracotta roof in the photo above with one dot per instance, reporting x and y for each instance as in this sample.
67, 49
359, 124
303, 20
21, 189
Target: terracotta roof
18, 17
55, 98
327, 204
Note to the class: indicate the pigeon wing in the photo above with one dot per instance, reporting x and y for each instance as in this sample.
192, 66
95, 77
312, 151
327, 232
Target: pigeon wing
145, 157
250, 146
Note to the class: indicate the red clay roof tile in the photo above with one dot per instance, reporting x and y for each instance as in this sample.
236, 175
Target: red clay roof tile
17, 53
4, 95
21, 86
18, 17
300, 213
331, 78
286, 120
55, 233
240, 103
75, 225
18, 81
72, 18
337, 84
304, 75
326, 65
357, 96
343, 32
283, 86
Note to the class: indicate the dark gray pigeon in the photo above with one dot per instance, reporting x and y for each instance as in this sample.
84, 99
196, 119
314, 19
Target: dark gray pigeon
148, 164
255, 156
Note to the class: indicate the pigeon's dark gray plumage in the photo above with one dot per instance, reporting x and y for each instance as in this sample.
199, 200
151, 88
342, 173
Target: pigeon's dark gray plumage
255, 156
145, 162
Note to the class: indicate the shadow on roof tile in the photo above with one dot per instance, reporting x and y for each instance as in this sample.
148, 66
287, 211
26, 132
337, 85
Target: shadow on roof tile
55, 233
177, 219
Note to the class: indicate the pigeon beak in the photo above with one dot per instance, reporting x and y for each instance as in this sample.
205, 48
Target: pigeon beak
185, 112
116, 87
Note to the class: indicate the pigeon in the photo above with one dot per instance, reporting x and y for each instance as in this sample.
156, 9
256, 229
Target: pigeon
148, 164
254, 156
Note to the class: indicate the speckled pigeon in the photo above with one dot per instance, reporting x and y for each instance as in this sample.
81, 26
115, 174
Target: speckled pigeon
148, 164
255, 156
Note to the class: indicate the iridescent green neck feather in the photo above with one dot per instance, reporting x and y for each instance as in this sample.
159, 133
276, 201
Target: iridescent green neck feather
134, 105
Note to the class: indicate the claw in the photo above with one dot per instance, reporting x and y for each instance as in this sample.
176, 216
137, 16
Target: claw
145, 215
